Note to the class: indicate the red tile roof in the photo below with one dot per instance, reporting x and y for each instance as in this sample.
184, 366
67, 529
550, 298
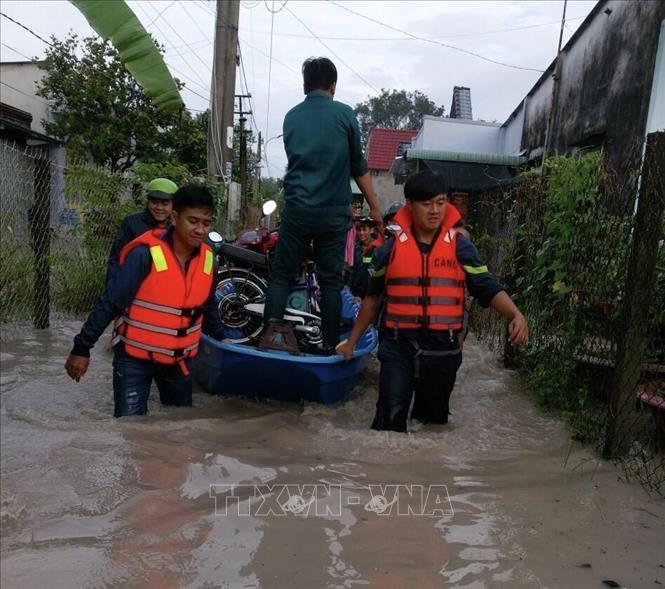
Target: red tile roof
383, 144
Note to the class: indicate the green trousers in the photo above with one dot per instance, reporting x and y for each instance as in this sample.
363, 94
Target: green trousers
294, 242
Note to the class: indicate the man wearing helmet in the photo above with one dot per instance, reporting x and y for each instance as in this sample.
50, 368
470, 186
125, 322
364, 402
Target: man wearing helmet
391, 211
362, 256
156, 214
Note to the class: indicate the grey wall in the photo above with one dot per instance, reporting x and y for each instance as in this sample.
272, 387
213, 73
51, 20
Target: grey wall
605, 86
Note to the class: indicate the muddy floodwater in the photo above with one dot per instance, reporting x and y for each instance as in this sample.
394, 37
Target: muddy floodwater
240, 494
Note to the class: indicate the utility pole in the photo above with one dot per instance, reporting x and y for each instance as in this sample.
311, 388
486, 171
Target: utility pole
244, 177
220, 130
257, 171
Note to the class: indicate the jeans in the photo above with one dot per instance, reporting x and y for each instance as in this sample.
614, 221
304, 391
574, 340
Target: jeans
132, 378
292, 246
432, 377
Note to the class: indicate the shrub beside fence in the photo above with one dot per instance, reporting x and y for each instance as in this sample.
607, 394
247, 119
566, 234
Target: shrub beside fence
57, 227
582, 253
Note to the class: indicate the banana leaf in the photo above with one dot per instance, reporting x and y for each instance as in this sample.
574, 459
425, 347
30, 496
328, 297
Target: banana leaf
114, 20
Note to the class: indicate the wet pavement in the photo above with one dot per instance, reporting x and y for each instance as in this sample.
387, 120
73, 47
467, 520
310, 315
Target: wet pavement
195, 498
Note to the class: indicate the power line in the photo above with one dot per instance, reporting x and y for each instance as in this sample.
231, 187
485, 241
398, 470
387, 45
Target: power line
139, 5
25, 93
206, 41
392, 39
17, 51
434, 42
252, 106
282, 7
27, 29
177, 34
331, 51
186, 87
154, 20
184, 7
288, 67
203, 6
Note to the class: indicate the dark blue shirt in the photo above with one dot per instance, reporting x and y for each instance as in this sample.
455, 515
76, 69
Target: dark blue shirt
324, 150
122, 289
480, 283
131, 227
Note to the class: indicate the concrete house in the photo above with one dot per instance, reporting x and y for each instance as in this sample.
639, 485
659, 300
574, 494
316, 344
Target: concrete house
610, 94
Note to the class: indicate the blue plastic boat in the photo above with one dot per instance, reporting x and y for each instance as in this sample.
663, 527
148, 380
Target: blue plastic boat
240, 370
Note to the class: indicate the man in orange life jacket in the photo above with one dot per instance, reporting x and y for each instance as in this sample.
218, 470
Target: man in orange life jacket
161, 297
423, 271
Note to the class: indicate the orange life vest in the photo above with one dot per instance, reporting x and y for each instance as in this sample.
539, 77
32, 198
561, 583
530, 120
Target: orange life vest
425, 290
163, 322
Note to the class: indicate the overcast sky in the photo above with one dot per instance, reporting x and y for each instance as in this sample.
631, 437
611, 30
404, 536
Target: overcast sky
368, 55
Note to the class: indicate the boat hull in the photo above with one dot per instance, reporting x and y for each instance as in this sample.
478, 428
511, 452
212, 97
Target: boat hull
239, 370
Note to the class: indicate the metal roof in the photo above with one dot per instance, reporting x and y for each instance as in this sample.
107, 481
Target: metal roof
475, 158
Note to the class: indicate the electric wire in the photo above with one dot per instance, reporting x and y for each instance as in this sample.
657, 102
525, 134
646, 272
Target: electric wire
261, 52
168, 24
28, 29
331, 51
282, 7
203, 6
252, 105
434, 42
393, 39
36, 98
17, 51
165, 36
184, 7
154, 20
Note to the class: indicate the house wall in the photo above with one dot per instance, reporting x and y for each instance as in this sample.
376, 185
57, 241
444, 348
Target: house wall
605, 85
386, 190
510, 133
446, 134
23, 76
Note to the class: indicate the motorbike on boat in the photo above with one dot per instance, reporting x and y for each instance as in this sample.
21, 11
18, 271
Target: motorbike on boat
244, 267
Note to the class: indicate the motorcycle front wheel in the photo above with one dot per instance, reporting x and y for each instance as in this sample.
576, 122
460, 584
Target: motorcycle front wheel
237, 288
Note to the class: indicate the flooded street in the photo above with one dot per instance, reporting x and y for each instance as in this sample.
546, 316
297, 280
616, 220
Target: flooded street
169, 500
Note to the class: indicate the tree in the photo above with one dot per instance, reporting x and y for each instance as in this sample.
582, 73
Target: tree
100, 111
395, 109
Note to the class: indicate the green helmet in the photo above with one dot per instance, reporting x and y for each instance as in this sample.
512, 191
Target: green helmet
162, 188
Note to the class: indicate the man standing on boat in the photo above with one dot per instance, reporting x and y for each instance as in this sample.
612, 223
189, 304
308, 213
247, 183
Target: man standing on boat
323, 145
423, 271
161, 297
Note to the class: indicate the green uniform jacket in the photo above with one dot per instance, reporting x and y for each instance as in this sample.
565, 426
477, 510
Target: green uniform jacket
323, 147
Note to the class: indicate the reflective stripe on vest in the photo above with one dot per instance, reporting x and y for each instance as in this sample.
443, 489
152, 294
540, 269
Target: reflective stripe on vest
423, 320
422, 281
207, 264
158, 258
407, 300
163, 322
165, 309
177, 332
155, 349
424, 290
